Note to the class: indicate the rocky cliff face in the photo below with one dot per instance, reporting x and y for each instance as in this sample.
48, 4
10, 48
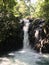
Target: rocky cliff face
38, 36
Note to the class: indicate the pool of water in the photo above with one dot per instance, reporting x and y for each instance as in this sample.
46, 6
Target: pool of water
25, 57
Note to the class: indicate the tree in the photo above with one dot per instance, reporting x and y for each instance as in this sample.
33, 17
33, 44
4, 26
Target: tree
7, 18
10, 28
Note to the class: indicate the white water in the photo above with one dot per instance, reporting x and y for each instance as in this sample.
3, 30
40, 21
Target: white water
26, 56
26, 40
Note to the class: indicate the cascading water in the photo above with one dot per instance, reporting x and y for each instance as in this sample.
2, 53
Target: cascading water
25, 39
25, 29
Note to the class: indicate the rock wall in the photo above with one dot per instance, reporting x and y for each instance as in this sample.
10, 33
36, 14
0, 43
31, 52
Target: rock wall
41, 43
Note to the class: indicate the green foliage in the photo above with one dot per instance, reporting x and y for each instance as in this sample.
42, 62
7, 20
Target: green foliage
42, 9
8, 21
45, 9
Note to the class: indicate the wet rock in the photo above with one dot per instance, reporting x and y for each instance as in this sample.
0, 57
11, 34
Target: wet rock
38, 24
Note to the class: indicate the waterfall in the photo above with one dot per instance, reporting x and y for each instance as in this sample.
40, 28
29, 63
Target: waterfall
28, 57
25, 29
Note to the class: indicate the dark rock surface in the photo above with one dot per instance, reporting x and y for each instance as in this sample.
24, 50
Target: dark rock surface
39, 43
